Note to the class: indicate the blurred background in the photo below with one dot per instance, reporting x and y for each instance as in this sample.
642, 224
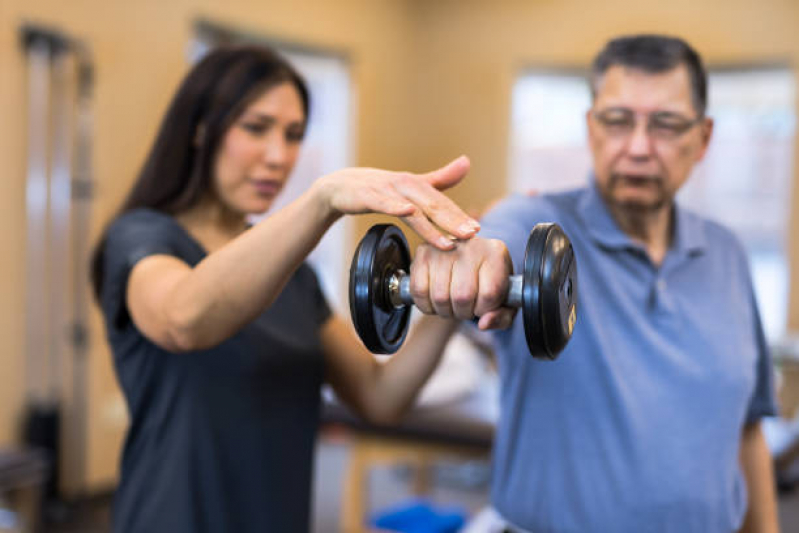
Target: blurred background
400, 84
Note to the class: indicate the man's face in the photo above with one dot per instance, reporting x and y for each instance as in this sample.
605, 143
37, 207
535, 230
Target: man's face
645, 136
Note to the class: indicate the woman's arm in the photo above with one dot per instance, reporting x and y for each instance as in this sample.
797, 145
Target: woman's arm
182, 308
382, 392
761, 515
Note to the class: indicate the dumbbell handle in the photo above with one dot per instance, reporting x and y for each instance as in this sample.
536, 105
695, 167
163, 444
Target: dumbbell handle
399, 290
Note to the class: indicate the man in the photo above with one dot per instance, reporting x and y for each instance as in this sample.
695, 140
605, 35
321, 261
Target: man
649, 420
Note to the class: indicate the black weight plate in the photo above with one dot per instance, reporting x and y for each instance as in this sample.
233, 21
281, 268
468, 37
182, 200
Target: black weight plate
549, 291
381, 326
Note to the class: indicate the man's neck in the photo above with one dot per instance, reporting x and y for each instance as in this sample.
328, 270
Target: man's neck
652, 229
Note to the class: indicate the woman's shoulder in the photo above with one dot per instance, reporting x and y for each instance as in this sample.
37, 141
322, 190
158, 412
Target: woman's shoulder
143, 217
144, 231
144, 224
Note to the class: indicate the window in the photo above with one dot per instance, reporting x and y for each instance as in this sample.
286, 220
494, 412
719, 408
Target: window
548, 134
744, 181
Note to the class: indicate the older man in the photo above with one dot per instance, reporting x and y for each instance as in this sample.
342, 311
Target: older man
649, 420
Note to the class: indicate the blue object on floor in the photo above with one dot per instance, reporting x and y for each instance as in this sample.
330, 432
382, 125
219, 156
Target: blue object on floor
419, 516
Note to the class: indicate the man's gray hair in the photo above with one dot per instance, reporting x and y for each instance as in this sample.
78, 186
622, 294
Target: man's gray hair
652, 54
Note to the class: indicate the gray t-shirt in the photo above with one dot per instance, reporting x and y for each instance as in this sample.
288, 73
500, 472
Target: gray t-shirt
220, 439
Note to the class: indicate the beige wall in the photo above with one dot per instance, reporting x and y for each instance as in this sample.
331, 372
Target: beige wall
12, 231
433, 79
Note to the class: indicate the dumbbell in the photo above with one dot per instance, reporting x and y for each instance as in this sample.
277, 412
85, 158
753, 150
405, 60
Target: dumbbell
381, 301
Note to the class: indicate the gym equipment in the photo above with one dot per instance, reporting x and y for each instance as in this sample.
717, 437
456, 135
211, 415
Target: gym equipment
58, 200
546, 291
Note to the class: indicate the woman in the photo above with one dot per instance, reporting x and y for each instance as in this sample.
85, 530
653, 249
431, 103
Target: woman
220, 333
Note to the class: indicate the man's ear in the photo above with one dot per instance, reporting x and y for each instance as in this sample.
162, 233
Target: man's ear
707, 130
589, 128
707, 133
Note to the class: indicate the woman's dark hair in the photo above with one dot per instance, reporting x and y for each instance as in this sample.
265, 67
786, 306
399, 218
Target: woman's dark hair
178, 170
653, 54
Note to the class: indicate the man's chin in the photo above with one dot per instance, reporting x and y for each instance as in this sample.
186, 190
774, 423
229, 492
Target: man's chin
637, 200
639, 205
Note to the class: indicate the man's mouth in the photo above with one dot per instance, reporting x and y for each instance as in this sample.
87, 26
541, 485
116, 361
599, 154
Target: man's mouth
636, 180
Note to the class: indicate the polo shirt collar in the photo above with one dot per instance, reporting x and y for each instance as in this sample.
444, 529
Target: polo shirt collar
689, 237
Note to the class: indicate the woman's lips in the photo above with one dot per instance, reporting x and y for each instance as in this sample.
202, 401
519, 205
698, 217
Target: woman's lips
267, 187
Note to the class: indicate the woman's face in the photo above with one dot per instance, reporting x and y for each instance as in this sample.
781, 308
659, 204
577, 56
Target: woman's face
259, 150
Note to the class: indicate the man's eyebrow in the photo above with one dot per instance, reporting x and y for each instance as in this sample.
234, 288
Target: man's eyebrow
669, 113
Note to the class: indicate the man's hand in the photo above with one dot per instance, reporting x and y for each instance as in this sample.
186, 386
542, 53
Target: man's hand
470, 280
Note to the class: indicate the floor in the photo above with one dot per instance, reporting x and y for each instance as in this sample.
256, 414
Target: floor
461, 486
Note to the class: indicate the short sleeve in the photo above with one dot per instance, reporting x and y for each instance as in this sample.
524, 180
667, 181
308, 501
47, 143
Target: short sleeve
129, 239
503, 221
763, 402
319, 304
511, 221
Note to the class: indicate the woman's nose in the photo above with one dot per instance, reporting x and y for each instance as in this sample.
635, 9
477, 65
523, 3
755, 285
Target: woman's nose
276, 149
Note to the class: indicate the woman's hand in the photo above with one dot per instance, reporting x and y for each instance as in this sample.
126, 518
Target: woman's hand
416, 198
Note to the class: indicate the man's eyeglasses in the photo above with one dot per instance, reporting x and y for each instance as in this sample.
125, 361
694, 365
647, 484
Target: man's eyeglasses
665, 125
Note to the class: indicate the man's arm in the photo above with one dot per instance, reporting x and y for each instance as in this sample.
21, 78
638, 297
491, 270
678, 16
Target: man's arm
761, 514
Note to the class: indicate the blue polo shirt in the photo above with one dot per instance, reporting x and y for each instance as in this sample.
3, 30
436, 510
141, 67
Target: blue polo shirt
637, 426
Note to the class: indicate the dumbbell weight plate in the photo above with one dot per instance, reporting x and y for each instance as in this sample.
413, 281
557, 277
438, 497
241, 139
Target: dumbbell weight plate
549, 293
381, 326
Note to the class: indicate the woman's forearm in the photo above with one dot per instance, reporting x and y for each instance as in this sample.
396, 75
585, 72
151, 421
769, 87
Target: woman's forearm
382, 392
400, 379
234, 284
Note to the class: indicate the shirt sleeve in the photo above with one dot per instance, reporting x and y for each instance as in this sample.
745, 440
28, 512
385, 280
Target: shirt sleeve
320, 306
511, 221
129, 239
763, 402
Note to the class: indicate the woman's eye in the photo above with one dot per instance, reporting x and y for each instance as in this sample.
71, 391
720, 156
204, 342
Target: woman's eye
253, 127
295, 135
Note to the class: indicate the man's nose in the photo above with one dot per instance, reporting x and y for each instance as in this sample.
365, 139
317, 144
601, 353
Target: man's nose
639, 144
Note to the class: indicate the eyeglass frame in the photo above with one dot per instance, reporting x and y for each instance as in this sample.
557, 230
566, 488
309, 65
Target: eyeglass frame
665, 134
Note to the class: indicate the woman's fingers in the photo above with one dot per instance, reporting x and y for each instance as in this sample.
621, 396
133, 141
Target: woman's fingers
448, 175
437, 208
415, 197
380, 201
427, 231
